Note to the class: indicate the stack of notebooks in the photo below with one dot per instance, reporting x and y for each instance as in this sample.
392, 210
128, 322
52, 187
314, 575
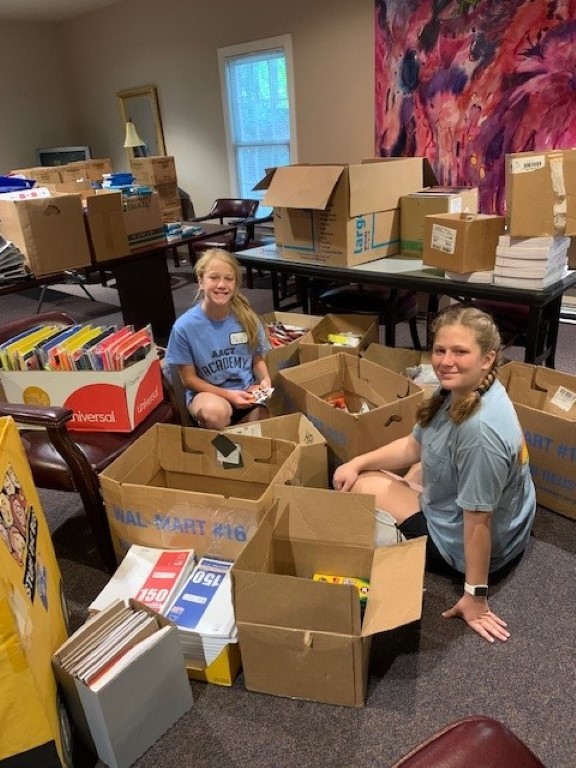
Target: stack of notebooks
203, 612
530, 262
12, 262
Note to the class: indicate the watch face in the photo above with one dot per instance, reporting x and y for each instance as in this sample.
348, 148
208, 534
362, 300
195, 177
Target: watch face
480, 591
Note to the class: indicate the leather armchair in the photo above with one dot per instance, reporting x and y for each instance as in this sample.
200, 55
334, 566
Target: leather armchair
227, 210
473, 742
71, 461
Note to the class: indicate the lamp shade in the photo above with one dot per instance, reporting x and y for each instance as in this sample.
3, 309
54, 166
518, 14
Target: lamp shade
132, 138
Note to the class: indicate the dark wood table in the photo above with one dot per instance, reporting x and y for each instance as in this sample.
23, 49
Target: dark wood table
410, 274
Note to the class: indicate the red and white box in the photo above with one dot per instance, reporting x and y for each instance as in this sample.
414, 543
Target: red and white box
102, 401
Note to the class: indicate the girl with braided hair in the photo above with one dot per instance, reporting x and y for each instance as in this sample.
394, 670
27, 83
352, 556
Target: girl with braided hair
219, 346
469, 487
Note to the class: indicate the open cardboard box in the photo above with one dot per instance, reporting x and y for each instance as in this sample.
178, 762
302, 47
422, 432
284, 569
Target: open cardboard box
392, 401
545, 401
315, 345
399, 359
308, 639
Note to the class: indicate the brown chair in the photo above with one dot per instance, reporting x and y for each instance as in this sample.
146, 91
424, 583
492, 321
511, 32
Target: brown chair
71, 461
392, 306
472, 742
227, 210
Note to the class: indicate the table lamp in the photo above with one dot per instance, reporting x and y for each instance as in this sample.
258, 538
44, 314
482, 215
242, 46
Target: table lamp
133, 140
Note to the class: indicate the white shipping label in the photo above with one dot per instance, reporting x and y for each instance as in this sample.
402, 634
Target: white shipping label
564, 399
527, 164
455, 205
443, 238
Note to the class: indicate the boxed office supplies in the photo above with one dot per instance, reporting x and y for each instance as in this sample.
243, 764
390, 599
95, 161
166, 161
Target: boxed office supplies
541, 193
545, 401
102, 401
48, 230
314, 643
298, 429
143, 220
381, 404
461, 242
181, 487
341, 215
35, 729
124, 680
417, 205
328, 337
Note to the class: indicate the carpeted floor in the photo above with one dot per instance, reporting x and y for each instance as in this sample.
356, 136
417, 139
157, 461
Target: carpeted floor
422, 676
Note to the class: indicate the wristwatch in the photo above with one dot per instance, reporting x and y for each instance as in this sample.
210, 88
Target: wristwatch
476, 590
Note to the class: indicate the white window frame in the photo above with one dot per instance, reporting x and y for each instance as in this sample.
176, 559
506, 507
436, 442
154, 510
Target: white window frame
282, 41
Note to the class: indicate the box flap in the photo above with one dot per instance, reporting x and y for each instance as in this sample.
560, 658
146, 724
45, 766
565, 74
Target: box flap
264, 182
303, 186
396, 586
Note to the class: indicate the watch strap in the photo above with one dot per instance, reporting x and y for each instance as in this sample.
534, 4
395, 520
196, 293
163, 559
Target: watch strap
476, 590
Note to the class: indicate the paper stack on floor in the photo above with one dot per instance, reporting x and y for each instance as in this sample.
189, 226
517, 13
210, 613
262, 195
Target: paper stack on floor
203, 612
530, 262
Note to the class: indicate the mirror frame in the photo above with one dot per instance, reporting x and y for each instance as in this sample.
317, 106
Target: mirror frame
143, 90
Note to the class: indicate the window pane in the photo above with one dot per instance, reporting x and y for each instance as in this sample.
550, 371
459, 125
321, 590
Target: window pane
251, 163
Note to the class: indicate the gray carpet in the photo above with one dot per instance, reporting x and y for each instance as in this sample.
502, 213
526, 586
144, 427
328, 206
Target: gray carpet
422, 676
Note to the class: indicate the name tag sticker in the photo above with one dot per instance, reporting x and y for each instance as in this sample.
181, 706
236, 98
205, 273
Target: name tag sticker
239, 338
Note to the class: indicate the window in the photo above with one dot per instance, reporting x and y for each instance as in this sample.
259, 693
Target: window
256, 80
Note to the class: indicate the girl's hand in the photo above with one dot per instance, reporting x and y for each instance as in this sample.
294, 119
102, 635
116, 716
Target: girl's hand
240, 399
478, 616
344, 477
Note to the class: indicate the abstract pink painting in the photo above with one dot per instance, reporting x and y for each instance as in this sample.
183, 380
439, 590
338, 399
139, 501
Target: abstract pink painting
463, 82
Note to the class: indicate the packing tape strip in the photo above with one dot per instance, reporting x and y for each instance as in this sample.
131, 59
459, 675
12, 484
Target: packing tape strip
559, 188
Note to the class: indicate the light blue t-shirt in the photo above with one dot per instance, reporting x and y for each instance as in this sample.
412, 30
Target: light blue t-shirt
482, 465
218, 349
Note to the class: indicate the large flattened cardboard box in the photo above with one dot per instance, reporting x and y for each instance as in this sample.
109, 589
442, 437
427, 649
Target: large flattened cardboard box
120, 719
417, 205
105, 225
541, 193
102, 401
300, 430
545, 401
49, 231
340, 215
313, 643
390, 401
315, 344
143, 220
462, 242
35, 729
400, 360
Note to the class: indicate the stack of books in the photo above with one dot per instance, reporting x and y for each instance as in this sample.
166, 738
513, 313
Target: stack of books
12, 262
530, 262
203, 612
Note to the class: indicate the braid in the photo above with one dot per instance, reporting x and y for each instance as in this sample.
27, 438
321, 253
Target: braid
461, 410
429, 408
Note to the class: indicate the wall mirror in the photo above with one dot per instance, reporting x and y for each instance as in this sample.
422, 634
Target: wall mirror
140, 105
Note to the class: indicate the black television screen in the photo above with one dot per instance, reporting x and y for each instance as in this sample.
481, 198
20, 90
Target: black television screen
62, 155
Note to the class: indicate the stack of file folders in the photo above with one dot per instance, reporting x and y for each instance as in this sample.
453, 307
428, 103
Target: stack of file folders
12, 262
531, 262
203, 612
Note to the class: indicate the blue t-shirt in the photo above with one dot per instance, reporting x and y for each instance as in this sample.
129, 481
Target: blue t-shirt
218, 349
482, 465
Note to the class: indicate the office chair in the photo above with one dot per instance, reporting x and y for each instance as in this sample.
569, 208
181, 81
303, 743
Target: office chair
392, 306
226, 210
71, 461
472, 742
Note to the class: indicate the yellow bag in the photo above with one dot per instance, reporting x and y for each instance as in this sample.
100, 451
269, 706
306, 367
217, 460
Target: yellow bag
32, 619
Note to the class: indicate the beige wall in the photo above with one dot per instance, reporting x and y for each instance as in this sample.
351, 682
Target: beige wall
173, 45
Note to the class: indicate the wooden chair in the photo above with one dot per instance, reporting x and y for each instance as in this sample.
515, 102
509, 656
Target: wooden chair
71, 461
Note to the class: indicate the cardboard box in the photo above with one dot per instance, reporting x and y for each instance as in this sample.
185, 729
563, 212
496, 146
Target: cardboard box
49, 231
42, 174
340, 215
462, 242
298, 429
143, 220
313, 643
169, 196
392, 401
314, 345
105, 222
102, 401
172, 489
399, 360
417, 205
122, 719
541, 193
35, 727
90, 170
287, 356
545, 401
154, 170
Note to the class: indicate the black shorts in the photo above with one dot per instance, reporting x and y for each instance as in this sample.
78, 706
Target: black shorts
239, 413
